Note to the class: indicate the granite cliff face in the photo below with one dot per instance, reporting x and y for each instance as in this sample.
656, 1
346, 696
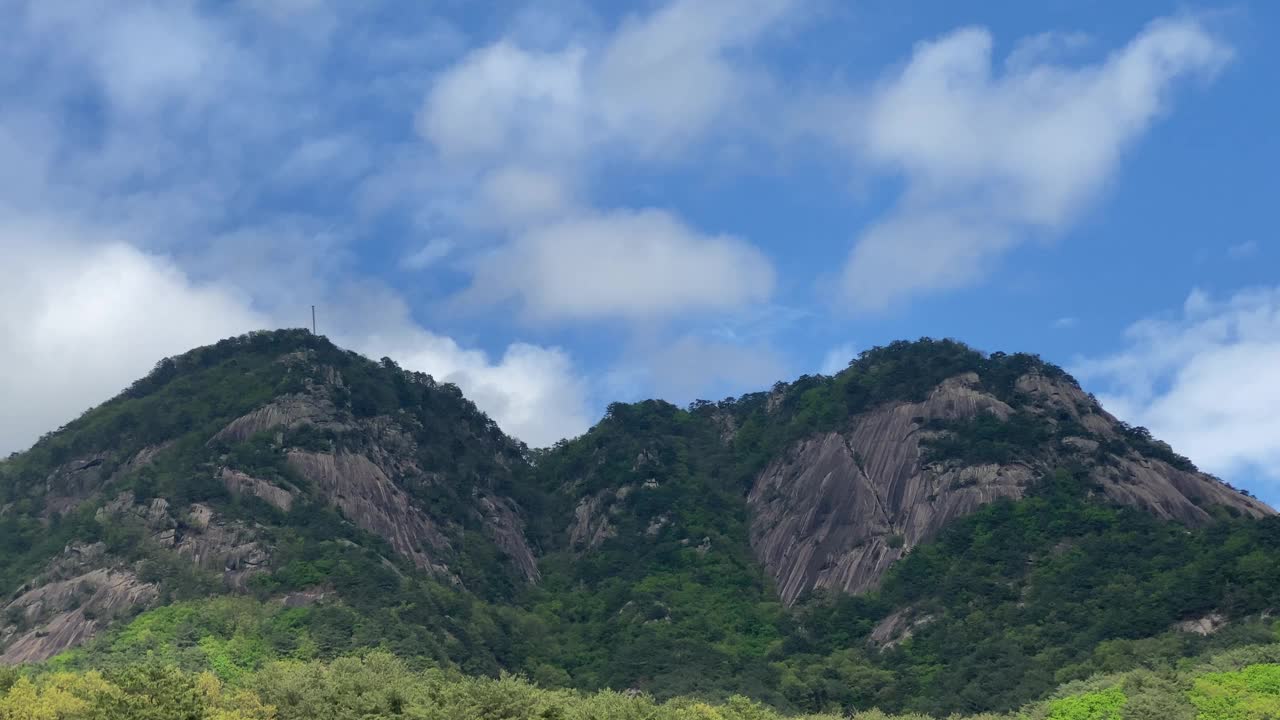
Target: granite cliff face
82, 591
838, 508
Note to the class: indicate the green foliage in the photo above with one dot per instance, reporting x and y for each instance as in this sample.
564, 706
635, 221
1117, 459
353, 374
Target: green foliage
1099, 705
1140, 440
378, 685
987, 439
1252, 693
685, 609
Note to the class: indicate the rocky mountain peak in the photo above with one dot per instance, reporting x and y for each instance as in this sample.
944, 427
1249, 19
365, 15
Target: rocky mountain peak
837, 508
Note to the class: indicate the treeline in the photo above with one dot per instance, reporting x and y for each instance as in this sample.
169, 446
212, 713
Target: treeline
1241, 685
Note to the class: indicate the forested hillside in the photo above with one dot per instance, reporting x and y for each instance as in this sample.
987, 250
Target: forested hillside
931, 530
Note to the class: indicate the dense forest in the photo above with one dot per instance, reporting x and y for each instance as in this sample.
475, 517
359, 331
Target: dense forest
1240, 685
617, 561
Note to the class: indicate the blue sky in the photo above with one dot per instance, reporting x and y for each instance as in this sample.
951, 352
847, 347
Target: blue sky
560, 204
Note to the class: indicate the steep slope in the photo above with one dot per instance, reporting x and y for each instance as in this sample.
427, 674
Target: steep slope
206, 463
837, 508
844, 475
932, 528
827, 482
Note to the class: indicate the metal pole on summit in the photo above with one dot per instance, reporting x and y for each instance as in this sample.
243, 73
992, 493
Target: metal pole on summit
313, 319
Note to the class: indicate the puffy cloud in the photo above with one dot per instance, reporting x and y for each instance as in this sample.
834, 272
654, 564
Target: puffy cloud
533, 392
515, 197
627, 264
655, 84
82, 316
1206, 380
80, 321
529, 124
991, 160
503, 100
664, 79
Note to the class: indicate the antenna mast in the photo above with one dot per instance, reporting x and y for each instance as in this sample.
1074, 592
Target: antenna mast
313, 319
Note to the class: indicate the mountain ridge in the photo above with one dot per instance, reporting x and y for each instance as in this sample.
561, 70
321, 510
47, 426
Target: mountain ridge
278, 466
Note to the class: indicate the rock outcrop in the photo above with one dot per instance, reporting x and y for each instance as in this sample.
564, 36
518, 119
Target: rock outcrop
286, 412
80, 593
75, 481
591, 525
503, 523
897, 627
86, 477
367, 497
366, 480
837, 509
211, 543
221, 546
239, 483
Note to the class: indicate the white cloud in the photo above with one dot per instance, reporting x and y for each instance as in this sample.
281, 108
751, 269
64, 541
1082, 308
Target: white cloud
502, 100
80, 321
622, 264
657, 83
144, 54
83, 315
530, 125
514, 196
665, 78
838, 358
1207, 381
533, 392
324, 158
991, 160
1066, 322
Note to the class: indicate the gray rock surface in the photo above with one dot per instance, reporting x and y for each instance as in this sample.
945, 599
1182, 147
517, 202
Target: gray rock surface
70, 603
503, 523
239, 483
837, 509
285, 412
590, 526
367, 497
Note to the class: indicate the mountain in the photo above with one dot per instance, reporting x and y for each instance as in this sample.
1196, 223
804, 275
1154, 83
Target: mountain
207, 461
932, 528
